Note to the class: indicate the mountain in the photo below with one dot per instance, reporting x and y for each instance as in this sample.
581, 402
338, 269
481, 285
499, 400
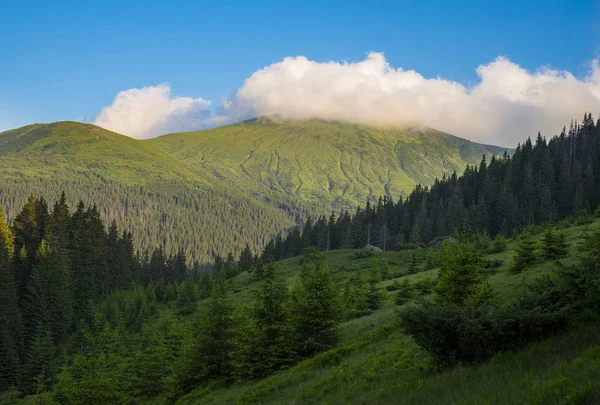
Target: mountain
163, 200
327, 163
213, 191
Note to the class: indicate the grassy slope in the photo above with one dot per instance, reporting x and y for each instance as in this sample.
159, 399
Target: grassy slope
377, 364
62, 148
322, 161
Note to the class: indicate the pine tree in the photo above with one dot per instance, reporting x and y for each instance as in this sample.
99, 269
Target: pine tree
264, 344
26, 241
373, 296
526, 254
316, 310
461, 276
207, 355
206, 285
10, 316
246, 259
554, 245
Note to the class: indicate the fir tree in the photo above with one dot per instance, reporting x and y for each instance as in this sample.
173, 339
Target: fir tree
554, 245
207, 356
526, 254
316, 309
10, 316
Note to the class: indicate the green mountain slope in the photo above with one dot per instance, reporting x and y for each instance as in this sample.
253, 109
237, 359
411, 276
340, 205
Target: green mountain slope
376, 362
324, 162
213, 191
161, 199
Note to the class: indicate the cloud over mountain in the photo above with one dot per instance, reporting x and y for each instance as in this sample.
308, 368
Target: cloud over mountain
152, 111
508, 103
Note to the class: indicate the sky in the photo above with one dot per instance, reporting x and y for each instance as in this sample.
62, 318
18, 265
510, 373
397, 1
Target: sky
494, 72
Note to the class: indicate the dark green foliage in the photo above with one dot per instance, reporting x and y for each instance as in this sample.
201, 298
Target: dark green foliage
264, 343
98, 376
405, 292
187, 296
10, 316
246, 259
538, 184
316, 309
462, 279
453, 333
372, 295
473, 333
206, 357
206, 285
526, 254
498, 245
554, 245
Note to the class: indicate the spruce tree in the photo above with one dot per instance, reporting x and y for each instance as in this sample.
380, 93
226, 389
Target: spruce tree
554, 245
10, 316
246, 259
264, 344
206, 285
206, 357
526, 254
316, 311
373, 295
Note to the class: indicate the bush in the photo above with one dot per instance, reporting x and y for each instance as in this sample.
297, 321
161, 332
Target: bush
407, 246
597, 212
425, 286
452, 333
363, 254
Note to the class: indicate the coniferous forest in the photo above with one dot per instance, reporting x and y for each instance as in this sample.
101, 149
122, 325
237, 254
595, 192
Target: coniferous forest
88, 319
543, 181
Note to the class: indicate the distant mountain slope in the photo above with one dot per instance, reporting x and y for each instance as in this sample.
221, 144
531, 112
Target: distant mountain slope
163, 200
324, 162
214, 191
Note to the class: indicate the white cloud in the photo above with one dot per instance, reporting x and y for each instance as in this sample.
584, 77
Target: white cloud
152, 111
508, 103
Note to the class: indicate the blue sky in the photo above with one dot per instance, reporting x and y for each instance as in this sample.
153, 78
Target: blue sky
66, 59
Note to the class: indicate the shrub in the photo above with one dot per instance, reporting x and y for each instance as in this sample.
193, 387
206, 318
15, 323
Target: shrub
452, 333
363, 254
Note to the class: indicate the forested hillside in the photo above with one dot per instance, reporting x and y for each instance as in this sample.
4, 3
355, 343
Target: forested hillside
215, 191
347, 326
543, 181
164, 202
512, 307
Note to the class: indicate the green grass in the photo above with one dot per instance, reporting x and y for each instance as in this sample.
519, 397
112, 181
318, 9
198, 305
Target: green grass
318, 161
376, 363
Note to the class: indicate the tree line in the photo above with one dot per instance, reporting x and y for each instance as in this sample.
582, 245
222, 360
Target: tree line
542, 181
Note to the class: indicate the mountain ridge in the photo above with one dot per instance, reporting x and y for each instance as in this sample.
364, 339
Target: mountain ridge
213, 191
